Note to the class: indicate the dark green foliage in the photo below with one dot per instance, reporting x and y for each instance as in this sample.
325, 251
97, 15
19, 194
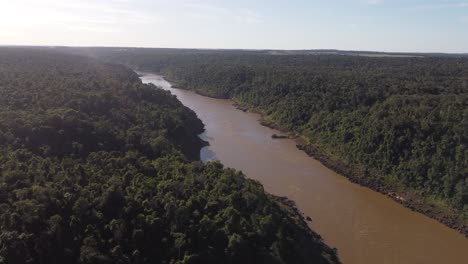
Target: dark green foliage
94, 168
402, 122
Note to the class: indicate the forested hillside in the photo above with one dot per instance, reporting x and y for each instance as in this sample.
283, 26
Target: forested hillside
96, 167
394, 124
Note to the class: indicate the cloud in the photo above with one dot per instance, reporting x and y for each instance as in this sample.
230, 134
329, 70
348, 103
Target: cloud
247, 16
374, 2
96, 15
216, 13
443, 5
353, 26
92, 29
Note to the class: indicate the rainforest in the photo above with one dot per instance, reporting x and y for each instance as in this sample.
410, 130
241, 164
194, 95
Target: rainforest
97, 167
395, 124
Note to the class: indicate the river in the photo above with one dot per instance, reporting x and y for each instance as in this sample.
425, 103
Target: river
365, 226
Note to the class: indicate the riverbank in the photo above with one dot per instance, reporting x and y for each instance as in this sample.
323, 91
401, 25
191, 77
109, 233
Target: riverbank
407, 199
411, 200
298, 218
364, 225
428, 206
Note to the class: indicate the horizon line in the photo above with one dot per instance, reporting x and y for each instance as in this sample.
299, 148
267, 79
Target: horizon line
234, 49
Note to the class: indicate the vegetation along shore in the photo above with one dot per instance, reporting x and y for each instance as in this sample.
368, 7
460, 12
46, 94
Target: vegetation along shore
394, 124
97, 167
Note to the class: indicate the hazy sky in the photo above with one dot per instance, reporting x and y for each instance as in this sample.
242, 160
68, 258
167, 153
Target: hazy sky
384, 25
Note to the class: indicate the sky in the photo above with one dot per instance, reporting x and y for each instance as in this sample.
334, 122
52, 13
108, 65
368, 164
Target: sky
376, 25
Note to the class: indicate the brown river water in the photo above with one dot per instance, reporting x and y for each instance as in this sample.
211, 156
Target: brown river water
365, 226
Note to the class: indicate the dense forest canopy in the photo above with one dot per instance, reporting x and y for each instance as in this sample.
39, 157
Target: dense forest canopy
96, 167
400, 122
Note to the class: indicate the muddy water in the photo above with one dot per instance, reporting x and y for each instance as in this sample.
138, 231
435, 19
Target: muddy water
365, 226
